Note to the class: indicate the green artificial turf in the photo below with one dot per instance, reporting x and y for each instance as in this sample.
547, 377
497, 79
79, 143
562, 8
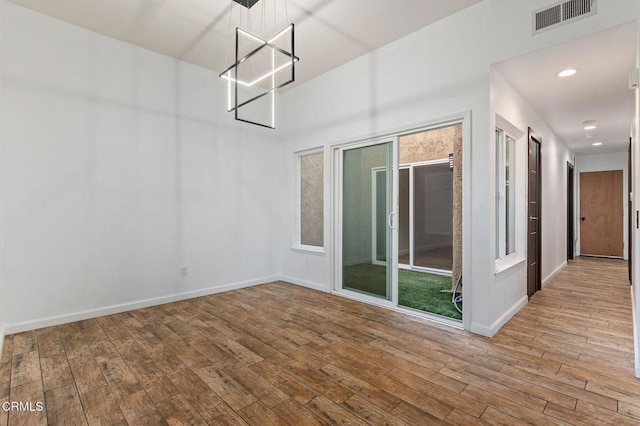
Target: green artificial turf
416, 290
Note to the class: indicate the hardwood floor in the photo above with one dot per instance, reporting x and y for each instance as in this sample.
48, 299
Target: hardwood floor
281, 354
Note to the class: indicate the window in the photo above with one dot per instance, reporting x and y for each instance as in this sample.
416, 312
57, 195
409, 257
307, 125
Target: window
310, 201
505, 194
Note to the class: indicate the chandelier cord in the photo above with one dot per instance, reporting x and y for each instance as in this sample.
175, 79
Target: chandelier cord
262, 18
226, 50
286, 12
249, 20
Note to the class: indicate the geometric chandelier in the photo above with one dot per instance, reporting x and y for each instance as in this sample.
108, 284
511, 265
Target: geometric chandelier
261, 68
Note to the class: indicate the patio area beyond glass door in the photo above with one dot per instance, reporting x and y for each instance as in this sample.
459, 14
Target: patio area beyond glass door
367, 220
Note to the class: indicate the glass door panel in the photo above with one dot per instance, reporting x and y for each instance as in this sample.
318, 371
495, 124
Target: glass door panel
433, 217
404, 218
366, 213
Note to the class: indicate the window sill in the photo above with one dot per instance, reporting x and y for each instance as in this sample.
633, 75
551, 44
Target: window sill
503, 265
318, 251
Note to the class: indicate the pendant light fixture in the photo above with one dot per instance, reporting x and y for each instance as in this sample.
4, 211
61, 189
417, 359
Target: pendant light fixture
262, 66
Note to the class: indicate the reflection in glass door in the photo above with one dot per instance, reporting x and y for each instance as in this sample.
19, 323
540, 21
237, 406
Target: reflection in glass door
367, 206
433, 217
426, 216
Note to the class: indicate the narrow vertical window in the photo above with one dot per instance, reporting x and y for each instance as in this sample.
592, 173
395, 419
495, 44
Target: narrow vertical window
510, 194
499, 213
505, 194
310, 201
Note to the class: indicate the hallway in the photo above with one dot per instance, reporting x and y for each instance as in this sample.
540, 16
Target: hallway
577, 332
283, 354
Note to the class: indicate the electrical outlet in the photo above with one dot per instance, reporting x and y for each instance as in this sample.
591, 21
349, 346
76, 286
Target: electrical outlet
306, 263
184, 272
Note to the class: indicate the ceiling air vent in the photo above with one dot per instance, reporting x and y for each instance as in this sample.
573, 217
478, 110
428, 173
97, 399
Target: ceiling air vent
561, 13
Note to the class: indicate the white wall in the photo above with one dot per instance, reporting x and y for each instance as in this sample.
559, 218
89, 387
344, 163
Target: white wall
511, 106
419, 79
635, 236
119, 167
1, 210
598, 163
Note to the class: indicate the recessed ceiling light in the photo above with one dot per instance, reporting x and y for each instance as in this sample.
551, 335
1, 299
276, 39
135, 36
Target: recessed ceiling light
596, 143
589, 125
567, 73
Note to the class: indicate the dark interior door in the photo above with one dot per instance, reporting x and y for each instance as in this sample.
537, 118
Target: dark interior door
534, 219
570, 212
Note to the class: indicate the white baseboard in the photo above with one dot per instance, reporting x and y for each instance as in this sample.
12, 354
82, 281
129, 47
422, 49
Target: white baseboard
307, 284
497, 325
130, 306
553, 274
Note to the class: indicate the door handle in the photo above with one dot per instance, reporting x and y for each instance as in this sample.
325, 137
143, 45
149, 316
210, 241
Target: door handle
390, 220
533, 218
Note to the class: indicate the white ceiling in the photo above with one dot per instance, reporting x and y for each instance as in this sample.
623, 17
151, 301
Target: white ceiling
599, 91
328, 33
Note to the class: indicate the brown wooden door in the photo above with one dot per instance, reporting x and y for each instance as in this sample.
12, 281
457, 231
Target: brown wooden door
601, 214
534, 216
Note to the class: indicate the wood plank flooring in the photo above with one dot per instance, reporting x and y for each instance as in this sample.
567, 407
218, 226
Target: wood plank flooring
281, 354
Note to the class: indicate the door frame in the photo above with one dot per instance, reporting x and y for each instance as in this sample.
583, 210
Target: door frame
629, 195
621, 205
374, 216
571, 216
537, 285
334, 248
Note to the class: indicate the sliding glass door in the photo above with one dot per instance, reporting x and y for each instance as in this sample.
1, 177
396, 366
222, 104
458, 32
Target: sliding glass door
368, 219
397, 203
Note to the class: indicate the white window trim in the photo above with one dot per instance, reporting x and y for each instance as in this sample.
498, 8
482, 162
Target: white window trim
518, 256
508, 262
297, 234
501, 212
300, 248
